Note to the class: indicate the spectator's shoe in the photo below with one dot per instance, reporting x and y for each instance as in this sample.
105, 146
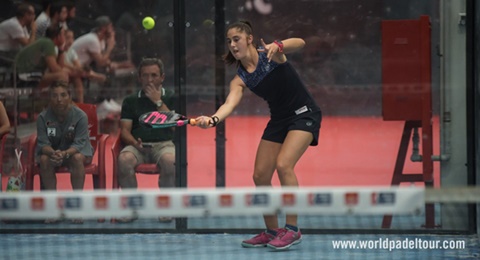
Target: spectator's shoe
260, 240
285, 239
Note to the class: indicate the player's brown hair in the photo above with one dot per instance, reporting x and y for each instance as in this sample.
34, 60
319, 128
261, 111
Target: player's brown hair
242, 26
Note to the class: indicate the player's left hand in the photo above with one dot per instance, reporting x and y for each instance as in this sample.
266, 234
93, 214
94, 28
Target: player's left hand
270, 49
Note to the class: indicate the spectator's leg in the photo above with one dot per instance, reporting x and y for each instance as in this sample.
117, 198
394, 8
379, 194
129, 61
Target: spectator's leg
167, 166
126, 170
48, 179
164, 153
50, 77
78, 86
77, 170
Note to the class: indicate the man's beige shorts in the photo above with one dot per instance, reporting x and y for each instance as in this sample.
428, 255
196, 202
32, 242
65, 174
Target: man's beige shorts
153, 154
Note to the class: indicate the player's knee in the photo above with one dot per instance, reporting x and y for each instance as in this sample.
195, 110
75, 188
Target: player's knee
283, 168
260, 179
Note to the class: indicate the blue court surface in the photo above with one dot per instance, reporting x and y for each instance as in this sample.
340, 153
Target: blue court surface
226, 246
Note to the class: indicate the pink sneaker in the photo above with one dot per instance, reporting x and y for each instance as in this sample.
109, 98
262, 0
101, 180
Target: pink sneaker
285, 239
260, 240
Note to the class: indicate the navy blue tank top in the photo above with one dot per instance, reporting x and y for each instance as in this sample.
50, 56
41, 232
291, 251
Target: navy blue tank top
280, 86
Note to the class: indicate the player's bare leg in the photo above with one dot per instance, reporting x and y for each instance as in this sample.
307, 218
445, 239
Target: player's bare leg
264, 168
294, 146
262, 176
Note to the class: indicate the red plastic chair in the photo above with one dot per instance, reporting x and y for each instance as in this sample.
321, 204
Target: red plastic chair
146, 168
98, 141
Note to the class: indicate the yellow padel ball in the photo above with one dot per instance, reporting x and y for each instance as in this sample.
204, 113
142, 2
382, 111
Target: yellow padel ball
148, 23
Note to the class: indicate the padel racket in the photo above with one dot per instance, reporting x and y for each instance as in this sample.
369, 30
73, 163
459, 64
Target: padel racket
164, 119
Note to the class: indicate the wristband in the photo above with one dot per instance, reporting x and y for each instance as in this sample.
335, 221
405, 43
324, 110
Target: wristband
280, 45
215, 120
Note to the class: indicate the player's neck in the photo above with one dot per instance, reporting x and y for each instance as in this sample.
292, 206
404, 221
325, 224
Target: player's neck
251, 60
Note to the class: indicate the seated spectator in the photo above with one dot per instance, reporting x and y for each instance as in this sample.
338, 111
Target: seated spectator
55, 13
40, 59
71, 14
75, 68
14, 32
63, 139
96, 46
147, 145
4, 121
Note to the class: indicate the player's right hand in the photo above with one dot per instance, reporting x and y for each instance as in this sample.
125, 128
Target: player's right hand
204, 122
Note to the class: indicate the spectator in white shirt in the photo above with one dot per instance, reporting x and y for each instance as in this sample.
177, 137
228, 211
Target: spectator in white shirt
14, 32
76, 69
96, 46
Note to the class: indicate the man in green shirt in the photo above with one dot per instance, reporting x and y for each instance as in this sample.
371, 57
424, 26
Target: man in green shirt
147, 145
41, 60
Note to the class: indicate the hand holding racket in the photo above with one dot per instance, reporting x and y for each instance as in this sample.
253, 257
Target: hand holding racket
164, 119
207, 121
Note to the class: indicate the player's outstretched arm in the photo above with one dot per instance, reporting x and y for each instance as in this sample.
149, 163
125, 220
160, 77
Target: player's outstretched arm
233, 99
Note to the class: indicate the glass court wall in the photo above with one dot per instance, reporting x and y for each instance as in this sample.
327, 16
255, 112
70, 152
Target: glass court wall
342, 65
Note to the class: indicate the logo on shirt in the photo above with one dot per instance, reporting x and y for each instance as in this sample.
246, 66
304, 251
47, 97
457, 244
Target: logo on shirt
51, 131
70, 135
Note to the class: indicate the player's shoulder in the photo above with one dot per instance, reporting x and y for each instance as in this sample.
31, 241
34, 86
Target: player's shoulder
237, 81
